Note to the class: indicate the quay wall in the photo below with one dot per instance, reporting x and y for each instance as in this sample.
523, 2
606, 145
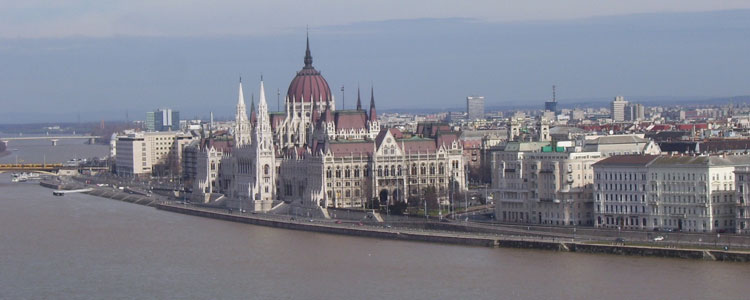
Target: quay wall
322, 228
464, 239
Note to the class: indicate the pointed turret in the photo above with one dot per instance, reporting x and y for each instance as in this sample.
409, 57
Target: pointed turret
359, 102
263, 132
308, 56
315, 113
241, 99
241, 129
328, 115
373, 115
253, 117
262, 104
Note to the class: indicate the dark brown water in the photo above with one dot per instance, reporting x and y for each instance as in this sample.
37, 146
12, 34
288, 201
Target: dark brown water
83, 247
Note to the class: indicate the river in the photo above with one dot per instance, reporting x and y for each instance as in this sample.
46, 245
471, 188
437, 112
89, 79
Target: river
39, 151
84, 247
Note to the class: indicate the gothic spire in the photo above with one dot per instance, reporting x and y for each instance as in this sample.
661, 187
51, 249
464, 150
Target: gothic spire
373, 115
359, 102
241, 100
308, 56
253, 116
328, 114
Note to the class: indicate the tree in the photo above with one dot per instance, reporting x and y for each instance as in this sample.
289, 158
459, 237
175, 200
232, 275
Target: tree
398, 208
430, 195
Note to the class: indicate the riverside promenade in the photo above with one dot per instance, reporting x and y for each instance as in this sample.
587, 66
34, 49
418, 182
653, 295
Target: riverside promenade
459, 238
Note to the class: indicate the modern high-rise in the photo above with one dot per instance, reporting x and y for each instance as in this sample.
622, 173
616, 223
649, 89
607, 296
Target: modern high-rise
475, 107
163, 119
634, 112
618, 109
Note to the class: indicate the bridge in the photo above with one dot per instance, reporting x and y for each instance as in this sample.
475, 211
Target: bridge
50, 169
53, 139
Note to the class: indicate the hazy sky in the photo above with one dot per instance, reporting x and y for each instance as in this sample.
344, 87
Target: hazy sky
106, 59
65, 18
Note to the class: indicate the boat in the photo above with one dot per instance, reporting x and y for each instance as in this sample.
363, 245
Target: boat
23, 177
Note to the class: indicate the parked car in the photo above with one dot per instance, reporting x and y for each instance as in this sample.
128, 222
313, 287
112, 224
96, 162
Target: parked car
338, 222
658, 238
619, 240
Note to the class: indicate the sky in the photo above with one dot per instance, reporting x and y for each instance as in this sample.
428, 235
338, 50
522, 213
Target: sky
55, 19
112, 59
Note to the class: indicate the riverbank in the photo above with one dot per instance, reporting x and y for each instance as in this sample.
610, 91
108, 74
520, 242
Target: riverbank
458, 238
433, 232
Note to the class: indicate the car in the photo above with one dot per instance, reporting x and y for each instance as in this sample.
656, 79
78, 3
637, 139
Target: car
619, 240
360, 224
387, 226
311, 220
656, 229
658, 238
338, 222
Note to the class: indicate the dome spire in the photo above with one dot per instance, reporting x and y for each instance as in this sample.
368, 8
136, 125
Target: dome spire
359, 103
308, 57
373, 115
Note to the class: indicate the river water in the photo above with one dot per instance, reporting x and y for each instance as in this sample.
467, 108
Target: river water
39, 151
84, 247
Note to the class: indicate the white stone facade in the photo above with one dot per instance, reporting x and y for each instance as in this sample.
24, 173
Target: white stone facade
137, 153
540, 184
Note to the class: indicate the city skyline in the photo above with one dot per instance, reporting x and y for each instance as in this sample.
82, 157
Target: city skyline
643, 57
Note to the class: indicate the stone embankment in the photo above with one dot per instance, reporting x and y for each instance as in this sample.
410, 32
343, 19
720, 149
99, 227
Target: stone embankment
460, 238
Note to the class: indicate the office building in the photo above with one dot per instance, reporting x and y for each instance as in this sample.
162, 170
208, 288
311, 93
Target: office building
618, 109
138, 153
475, 107
163, 119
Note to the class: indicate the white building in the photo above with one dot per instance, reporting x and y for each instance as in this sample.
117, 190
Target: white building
742, 184
618, 109
138, 153
538, 183
687, 193
313, 156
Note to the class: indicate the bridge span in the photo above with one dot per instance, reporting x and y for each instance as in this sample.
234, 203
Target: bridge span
53, 139
51, 169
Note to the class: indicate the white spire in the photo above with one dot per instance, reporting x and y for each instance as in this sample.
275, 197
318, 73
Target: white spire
242, 125
241, 100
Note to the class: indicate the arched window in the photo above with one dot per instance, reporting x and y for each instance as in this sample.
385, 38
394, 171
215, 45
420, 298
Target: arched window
413, 169
347, 173
432, 169
399, 170
393, 170
356, 172
386, 170
266, 169
338, 172
423, 169
328, 173
380, 171
441, 169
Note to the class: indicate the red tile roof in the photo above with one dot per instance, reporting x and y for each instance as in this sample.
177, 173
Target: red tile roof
350, 119
351, 148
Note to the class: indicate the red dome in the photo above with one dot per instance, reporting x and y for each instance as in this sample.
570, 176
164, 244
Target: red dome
308, 85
